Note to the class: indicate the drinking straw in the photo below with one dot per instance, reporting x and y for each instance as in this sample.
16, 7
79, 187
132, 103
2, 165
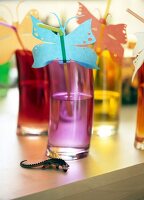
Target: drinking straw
107, 9
135, 15
102, 27
101, 33
61, 34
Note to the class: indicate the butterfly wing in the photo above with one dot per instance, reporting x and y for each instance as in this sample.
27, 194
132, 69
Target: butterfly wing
82, 55
25, 30
84, 14
45, 53
43, 34
138, 52
77, 48
138, 61
114, 37
8, 42
82, 35
26, 24
117, 32
139, 44
48, 51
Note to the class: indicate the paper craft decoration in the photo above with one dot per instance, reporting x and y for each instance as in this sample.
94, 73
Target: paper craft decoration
138, 53
73, 46
139, 48
110, 37
16, 36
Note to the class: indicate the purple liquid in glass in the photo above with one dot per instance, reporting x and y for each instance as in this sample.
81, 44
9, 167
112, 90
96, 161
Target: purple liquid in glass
71, 110
71, 131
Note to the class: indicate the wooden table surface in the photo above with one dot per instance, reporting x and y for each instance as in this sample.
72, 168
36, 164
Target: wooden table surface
110, 161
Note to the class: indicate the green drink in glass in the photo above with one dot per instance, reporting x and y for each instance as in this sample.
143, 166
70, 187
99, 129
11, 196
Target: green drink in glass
4, 78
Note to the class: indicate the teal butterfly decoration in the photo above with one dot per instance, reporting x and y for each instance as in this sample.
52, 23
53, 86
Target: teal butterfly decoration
73, 46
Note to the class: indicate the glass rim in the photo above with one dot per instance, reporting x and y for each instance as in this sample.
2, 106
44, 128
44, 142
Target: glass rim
63, 62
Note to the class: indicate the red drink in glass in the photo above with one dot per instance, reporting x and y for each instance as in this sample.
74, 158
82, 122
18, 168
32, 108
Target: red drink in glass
139, 139
33, 84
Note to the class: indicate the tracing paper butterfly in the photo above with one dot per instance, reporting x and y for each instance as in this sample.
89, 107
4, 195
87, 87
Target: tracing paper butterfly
110, 37
138, 52
76, 44
8, 39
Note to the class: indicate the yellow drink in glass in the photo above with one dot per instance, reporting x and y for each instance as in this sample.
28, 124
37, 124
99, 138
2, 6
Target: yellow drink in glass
107, 96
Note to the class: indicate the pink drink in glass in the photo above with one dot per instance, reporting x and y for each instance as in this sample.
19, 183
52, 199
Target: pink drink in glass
33, 84
70, 132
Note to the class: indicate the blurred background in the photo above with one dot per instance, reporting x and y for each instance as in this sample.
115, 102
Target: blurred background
68, 8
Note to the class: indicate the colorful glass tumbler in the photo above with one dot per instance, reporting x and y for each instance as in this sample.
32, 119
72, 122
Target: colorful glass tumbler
71, 110
107, 96
4, 78
139, 138
33, 84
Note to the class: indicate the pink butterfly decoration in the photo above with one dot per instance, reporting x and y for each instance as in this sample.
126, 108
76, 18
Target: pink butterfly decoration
110, 37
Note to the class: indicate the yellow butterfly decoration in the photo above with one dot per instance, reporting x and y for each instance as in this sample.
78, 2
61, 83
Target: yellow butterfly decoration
16, 36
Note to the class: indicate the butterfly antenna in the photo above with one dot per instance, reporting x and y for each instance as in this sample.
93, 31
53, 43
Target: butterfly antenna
17, 9
108, 18
57, 19
75, 17
9, 11
99, 13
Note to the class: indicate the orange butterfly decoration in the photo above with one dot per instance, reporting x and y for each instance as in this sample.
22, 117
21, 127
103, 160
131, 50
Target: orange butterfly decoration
110, 37
16, 36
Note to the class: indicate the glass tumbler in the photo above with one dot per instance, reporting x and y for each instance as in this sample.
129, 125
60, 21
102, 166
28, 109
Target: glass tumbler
4, 78
107, 96
139, 136
33, 85
71, 110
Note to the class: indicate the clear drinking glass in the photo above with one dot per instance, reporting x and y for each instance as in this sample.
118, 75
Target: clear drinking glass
71, 110
107, 96
139, 137
33, 85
